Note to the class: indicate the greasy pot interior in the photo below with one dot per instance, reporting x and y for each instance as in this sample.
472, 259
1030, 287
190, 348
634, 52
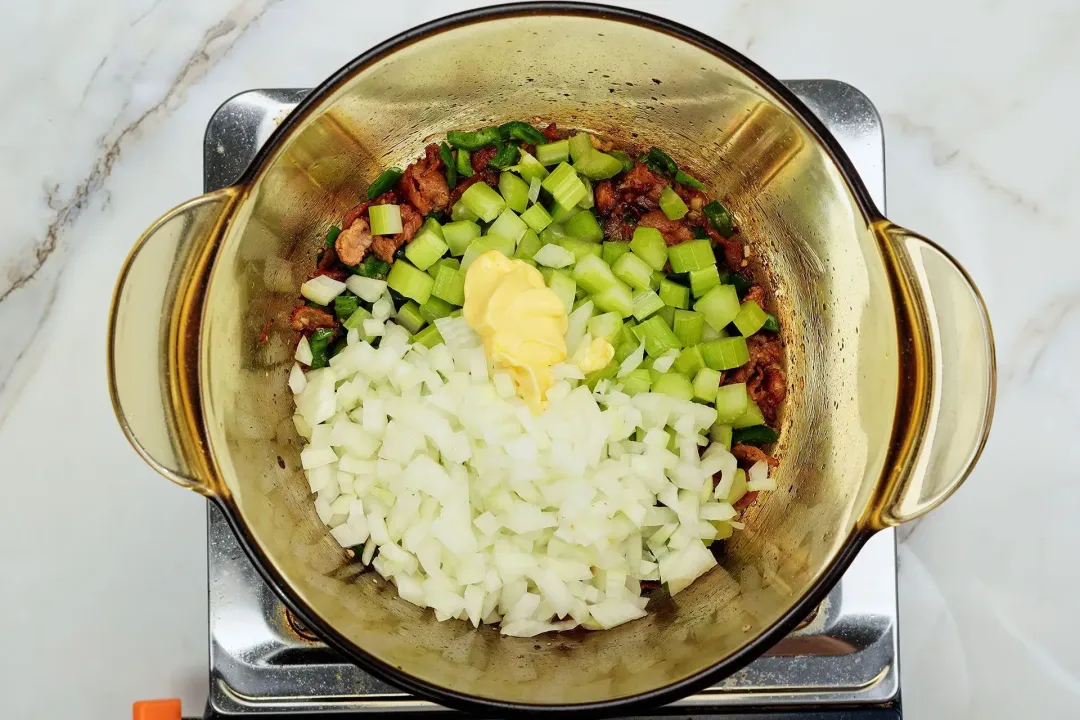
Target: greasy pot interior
630, 83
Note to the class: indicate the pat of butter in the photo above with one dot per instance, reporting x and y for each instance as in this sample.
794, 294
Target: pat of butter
521, 321
594, 356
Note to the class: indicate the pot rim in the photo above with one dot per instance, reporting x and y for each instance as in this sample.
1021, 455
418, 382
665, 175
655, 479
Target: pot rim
678, 689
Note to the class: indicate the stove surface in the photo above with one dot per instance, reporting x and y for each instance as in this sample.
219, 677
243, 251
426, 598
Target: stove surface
843, 663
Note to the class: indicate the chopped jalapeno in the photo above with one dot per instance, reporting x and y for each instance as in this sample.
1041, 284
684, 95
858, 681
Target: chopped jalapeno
386, 180
447, 157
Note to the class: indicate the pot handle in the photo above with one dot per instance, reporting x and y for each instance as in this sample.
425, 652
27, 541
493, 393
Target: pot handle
146, 331
959, 402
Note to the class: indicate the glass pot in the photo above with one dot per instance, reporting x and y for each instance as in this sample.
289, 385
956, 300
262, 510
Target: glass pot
889, 349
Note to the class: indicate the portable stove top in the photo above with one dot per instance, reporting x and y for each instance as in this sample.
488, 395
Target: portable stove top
841, 664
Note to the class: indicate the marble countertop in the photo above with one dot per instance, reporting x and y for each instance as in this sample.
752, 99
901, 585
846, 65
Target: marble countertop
104, 595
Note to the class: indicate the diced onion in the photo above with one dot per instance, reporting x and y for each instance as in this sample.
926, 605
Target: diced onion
322, 289
485, 512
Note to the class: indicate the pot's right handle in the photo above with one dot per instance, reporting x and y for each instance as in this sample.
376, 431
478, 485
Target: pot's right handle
962, 373
146, 333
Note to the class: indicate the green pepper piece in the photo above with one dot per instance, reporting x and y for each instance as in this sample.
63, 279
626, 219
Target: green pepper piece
772, 324
505, 156
451, 165
741, 282
372, 267
658, 159
386, 180
474, 140
522, 131
720, 218
345, 305
331, 235
754, 435
688, 180
320, 346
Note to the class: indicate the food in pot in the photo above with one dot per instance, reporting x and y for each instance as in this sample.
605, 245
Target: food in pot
536, 379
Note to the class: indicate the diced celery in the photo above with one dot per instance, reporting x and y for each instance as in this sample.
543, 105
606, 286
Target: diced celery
657, 336
648, 244
606, 326
633, 271
674, 294
719, 306
750, 319
409, 317
706, 383
689, 361
613, 251
580, 248
657, 278
514, 190
406, 280
750, 418
731, 402
672, 205
427, 246
688, 326
527, 245
508, 225
564, 185
691, 255
460, 235
459, 212
433, 270
720, 433
589, 201
636, 381
554, 256
384, 219
709, 334
553, 153
616, 299
580, 145
481, 199
668, 313
529, 167
584, 227
356, 320
562, 285
463, 163
560, 214
645, 303
607, 372
593, 274
726, 353
674, 385
534, 190
599, 165
625, 349
428, 337
449, 285
485, 244
627, 335
435, 308
702, 281
536, 217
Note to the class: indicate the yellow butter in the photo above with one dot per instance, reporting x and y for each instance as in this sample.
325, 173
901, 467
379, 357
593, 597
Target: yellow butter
521, 321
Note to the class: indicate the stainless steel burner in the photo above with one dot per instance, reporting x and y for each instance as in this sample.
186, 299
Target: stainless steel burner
262, 663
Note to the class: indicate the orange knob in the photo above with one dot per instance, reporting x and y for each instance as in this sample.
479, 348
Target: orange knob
156, 709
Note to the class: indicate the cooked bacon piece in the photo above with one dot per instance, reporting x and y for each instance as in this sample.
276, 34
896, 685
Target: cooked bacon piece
423, 184
305, 319
479, 159
605, 197
755, 293
746, 499
352, 243
553, 133
641, 187
386, 245
749, 455
674, 231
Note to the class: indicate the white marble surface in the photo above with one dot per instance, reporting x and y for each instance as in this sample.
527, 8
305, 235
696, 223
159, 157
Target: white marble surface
103, 588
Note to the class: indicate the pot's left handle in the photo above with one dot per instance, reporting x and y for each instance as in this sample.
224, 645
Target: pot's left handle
145, 324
